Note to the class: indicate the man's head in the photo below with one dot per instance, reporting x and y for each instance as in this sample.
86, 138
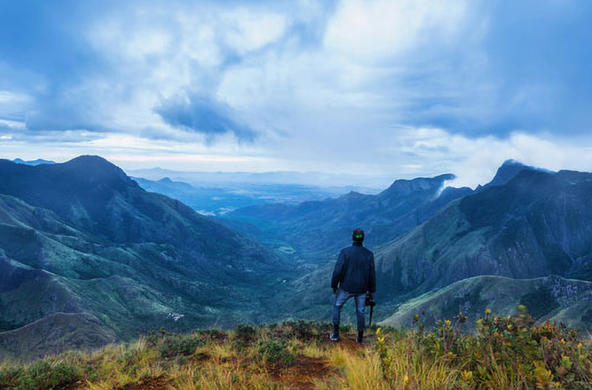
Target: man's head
358, 235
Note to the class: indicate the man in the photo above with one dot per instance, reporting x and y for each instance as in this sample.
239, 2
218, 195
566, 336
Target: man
353, 277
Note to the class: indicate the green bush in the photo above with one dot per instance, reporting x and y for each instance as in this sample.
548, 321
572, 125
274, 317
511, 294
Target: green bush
41, 375
9, 376
179, 345
277, 353
243, 336
301, 330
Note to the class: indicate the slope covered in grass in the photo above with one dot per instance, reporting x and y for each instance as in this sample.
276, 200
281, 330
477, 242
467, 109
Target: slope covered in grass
549, 298
506, 352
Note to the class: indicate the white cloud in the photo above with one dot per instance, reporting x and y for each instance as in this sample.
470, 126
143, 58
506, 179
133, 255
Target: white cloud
14, 125
9, 97
366, 31
245, 30
475, 160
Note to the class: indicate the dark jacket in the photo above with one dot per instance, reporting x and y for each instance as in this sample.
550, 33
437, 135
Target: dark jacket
354, 270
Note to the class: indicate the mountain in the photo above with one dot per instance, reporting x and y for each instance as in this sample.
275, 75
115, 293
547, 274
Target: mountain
507, 171
320, 228
547, 298
82, 237
83, 246
536, 224
32, 162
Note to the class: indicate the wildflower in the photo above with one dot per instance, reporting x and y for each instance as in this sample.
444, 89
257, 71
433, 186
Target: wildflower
378, 331
566, 361
467, 376
487, 311
416, 318
406, 379
448, 323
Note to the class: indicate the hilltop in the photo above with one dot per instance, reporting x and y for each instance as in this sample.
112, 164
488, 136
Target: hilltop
507, 352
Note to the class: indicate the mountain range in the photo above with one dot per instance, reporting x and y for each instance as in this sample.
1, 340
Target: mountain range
88, 256
82, 237
320, 228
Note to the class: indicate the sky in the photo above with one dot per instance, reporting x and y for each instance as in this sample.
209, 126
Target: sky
397, 88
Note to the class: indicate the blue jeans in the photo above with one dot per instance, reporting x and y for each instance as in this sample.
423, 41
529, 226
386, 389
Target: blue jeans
341, 297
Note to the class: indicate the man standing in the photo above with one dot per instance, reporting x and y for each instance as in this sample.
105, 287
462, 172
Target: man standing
353, 277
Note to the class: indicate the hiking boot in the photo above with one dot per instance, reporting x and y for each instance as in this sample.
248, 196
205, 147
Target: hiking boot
334, 337
360, 338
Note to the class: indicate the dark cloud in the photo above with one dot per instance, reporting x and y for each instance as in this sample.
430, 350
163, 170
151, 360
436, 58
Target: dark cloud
202, 114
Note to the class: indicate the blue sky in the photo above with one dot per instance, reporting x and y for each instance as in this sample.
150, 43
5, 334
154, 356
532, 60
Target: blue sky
387, 88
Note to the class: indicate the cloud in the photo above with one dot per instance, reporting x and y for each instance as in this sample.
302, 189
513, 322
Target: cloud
204, 115
368, 31
411, 87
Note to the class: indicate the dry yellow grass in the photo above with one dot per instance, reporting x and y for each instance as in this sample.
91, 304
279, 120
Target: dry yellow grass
288, 356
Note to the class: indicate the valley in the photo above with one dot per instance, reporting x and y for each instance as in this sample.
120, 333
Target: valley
83, 241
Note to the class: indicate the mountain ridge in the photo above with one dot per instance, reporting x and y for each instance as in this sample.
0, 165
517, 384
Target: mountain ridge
82, 237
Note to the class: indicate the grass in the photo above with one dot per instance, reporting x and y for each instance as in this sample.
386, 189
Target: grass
506, 352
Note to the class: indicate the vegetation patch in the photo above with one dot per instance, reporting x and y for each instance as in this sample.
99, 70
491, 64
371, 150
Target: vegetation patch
44, 374
506, 352
276, 353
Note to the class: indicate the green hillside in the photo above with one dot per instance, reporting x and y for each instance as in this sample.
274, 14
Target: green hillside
81, 237
550, 298
535, 225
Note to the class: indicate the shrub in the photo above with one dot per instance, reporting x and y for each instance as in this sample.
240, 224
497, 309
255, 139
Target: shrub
179, 345
9, 375
243, 336
278, 353
301, 330
507, 351
43, 374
